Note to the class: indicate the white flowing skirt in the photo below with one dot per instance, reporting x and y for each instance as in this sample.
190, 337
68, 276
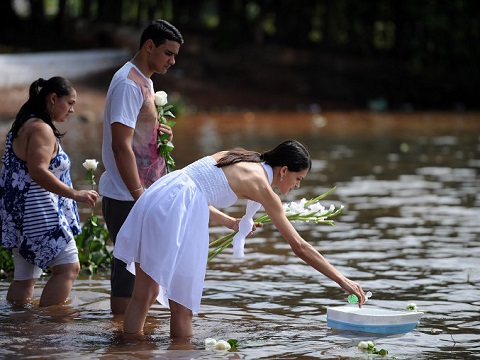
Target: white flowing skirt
166, 232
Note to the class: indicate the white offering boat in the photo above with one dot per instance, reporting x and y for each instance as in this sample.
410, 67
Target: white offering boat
372, 320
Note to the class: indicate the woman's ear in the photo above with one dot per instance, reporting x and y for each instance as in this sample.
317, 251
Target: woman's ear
51, 99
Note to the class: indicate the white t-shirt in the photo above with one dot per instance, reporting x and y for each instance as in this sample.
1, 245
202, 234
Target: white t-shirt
131, 101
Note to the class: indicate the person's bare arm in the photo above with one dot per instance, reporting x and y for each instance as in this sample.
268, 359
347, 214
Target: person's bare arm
304, 250
223, 219
41, 146
122, 137
254, 185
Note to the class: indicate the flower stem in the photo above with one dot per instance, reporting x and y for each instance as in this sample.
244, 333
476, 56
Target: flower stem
220, 244
93, 188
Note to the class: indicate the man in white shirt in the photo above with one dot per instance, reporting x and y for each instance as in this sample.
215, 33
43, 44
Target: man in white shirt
129, 149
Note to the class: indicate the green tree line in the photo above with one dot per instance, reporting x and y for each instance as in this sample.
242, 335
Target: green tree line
432, 41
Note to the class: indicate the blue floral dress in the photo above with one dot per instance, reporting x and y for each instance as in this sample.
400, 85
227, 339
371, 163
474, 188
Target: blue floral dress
37, 222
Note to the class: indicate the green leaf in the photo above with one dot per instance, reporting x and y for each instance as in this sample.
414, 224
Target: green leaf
318, 198
382, 352
164, 137
92, 245
233, 343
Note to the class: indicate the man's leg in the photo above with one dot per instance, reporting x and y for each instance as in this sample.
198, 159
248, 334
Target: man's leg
115, 213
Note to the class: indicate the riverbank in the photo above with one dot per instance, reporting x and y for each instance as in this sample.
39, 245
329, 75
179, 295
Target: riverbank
269, 79
91, 102
196, 95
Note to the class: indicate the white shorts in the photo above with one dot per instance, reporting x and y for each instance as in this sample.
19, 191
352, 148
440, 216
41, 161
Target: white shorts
25, 271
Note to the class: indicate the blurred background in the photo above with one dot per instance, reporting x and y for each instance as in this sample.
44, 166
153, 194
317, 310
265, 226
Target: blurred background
260, 54
385, 95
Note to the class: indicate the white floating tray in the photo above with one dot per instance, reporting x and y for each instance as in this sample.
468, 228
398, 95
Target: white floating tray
372, 320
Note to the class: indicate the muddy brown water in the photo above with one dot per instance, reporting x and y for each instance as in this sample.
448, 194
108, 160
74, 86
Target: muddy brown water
409, 233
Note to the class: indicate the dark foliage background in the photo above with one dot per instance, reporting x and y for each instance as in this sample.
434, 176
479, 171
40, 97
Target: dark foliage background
404, 54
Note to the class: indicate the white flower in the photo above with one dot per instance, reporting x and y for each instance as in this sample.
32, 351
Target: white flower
222, 345
90, 164
302, 210
316, 208
210, 342
363, 345
161, 98
366, 345
297, 207
411, 307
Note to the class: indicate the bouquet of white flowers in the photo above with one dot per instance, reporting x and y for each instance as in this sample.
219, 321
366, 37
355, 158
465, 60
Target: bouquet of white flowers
303, 210
163, 140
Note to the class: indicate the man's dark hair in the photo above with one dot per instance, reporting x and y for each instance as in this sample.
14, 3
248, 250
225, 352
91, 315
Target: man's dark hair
159, 31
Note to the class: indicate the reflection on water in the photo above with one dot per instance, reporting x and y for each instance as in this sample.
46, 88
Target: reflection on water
409, 233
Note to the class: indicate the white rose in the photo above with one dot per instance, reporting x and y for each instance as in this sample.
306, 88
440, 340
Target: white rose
363, 345
210, 342
366, 345
222, 345
161, 98
90, 164
412, 307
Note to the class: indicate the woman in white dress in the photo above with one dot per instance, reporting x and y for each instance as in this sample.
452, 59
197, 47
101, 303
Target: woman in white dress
164, 240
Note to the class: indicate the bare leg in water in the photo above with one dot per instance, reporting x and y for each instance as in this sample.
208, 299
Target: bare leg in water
21, 291
56, 290
59, 286
144, 295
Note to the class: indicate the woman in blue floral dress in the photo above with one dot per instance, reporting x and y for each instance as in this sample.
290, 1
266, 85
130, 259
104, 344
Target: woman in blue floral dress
38, 210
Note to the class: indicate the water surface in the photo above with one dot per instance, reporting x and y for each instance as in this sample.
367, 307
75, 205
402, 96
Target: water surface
409, 233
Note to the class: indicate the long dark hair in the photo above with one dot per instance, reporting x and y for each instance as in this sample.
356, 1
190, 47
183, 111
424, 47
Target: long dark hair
36, 105
289, 153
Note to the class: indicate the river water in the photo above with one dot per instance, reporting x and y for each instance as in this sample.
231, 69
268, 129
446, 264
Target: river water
409, 233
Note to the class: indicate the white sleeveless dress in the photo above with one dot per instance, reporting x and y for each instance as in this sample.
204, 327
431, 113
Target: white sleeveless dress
166, 231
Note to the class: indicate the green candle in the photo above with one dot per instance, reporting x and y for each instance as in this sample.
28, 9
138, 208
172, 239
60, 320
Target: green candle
352, 299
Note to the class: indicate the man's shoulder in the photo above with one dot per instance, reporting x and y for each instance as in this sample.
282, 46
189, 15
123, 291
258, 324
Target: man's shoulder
123, 82
121, 75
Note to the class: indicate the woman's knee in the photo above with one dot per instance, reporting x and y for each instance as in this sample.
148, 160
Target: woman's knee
70, 271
